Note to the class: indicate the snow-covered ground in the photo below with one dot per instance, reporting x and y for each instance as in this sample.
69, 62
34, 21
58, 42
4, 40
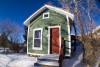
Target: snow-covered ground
16, 60
22, 60
75, 60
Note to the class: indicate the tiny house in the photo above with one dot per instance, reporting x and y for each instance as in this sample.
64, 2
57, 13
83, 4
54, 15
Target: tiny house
46, 28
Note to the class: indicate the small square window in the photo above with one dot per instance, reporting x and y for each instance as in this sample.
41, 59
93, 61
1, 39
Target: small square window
45, 15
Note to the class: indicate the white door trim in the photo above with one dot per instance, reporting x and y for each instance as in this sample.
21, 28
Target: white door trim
49, 37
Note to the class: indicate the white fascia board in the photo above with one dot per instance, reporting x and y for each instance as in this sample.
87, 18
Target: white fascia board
27, 22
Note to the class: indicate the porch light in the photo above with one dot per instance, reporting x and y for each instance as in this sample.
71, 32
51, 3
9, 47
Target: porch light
46, 27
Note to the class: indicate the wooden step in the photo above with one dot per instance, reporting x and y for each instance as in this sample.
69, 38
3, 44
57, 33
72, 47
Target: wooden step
47, 63
51, 57
50, 60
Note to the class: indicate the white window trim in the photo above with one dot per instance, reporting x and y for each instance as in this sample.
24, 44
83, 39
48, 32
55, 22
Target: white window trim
37, 48
46, 17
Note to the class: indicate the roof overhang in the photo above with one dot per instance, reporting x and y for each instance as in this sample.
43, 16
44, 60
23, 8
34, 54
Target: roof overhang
58, 10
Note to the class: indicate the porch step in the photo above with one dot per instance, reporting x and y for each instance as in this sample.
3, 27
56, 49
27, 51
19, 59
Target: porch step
46, 63
51, 57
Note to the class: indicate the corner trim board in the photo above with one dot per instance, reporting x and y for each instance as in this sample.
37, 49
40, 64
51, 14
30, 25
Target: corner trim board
69, 37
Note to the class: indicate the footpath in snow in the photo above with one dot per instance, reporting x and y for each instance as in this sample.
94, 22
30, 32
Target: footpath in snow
75, 60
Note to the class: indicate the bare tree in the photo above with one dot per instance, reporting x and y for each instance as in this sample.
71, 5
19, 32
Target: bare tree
2, 37
25, 35
15, 41
9, 29
83, 11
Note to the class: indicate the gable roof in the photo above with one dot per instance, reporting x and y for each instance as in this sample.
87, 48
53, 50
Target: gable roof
58, 10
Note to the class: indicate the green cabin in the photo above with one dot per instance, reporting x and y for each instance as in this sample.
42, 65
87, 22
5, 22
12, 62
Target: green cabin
47, 27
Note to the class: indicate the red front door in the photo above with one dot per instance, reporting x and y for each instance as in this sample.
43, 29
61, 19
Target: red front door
54, 41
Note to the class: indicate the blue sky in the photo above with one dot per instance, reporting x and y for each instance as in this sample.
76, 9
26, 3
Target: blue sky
19, 10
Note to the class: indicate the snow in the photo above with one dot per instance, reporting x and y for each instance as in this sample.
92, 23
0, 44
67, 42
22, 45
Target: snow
22, 60
4, 60
76, 59
16, 60
73, 62
97, 63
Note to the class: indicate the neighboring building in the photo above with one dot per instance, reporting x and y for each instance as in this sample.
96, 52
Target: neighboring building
96, 32
46, 29
97, 29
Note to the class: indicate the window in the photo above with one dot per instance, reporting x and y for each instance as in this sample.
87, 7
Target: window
37, 39
45, 15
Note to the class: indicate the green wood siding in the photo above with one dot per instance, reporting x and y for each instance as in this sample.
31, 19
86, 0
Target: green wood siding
39, 22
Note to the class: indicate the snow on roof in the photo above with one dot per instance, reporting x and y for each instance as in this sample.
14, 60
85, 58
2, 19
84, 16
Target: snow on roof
96, 29
58, 10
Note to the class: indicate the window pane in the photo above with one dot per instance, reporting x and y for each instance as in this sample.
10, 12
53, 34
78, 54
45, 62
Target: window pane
37, 42
45, 15
37, 34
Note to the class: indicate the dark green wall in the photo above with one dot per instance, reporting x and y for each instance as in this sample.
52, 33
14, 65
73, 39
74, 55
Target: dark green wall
38, 22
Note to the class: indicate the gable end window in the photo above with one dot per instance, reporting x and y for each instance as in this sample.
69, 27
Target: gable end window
45, 15
37, 39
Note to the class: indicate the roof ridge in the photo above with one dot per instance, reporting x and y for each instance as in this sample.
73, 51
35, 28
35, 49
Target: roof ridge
57, 7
